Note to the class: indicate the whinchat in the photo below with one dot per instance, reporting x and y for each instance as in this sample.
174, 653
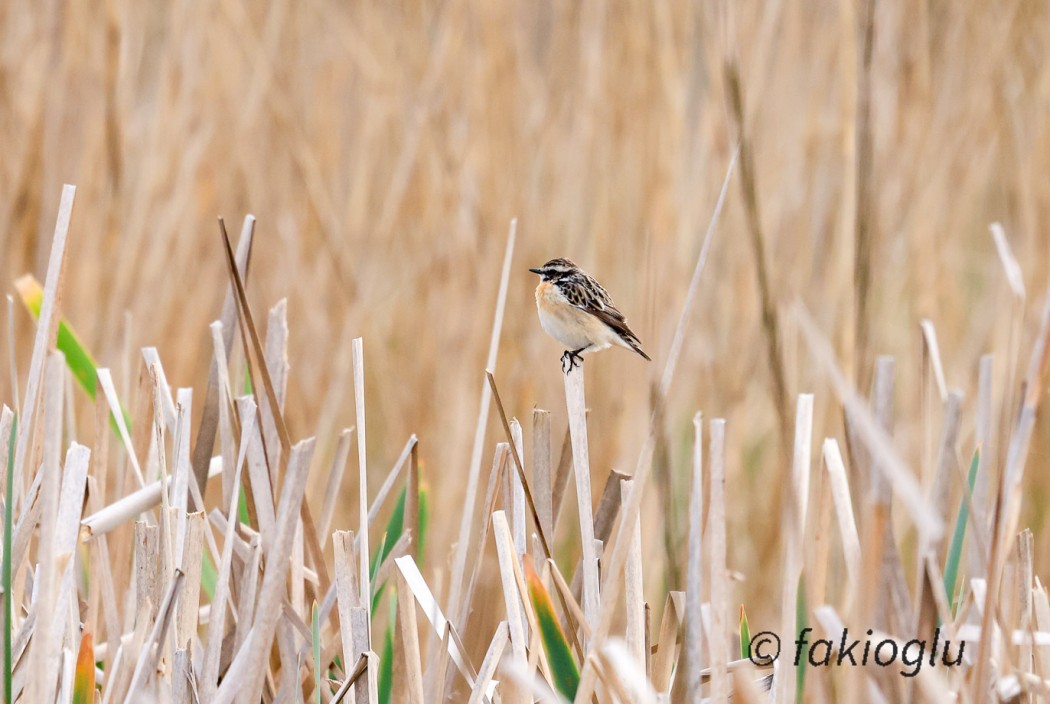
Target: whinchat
576, 311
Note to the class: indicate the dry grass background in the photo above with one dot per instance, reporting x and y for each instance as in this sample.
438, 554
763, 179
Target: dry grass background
384, 148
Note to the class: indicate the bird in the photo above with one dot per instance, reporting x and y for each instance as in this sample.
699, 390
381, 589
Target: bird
576, 311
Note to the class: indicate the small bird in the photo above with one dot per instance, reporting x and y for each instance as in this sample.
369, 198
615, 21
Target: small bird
576, 311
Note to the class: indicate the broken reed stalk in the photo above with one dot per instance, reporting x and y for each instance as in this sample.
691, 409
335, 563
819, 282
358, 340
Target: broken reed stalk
577, 409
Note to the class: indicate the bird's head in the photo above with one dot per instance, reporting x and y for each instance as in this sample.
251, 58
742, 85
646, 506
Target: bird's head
555, 269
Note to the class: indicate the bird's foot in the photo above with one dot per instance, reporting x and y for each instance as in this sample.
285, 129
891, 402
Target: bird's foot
571, 359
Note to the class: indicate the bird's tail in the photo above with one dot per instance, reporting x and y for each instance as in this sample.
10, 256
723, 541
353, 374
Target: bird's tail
636, 345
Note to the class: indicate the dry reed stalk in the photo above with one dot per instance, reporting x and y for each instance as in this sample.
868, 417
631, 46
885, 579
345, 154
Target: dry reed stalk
1041, 608
125, 509
47, 325
105, 382
541, 468
565, 593
892, 598
182, 674
1018, 304
694, 597
70, 504
499, 462
518, 684
794, 521
147, 661
365, 692
345, 548
187, 609
6, 419
97, 484
847, 524
718, 577
667, 653
412, 502
604, 520
515, 615
163, 403
364, 579
12, 357
353, 605
576, 405
1023, 584
628, 673
229, 423
517, 503
466, 525
408, 675
335, 481
817, 561
440, 624
983, 438
932, 351
119, 679
493, 654
217, 621
247, 671
40, 686
634, 595
248, 587
391, 478
501, 532
275, 357
210, 418
262, 489
560, 480
947, 461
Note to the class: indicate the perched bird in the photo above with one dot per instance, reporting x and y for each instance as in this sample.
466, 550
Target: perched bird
576, 311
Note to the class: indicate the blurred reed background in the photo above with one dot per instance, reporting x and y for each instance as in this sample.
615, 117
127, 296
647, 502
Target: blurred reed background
385, 146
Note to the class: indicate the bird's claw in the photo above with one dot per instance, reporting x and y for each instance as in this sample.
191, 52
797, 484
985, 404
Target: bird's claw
571, 359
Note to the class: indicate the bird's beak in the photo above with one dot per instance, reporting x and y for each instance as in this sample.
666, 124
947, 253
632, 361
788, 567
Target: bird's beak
537, 271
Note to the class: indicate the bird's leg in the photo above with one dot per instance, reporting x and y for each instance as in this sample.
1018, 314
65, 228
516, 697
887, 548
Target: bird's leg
571, 359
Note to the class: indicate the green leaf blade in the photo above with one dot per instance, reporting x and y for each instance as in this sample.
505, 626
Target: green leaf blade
564, 672
951, 564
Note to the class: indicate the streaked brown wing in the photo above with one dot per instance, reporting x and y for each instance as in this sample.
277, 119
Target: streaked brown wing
587, 294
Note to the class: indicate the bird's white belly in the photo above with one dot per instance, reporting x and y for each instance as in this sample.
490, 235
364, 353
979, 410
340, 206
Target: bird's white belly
574, 328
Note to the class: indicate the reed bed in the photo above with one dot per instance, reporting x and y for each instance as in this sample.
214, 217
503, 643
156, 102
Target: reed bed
121, 583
